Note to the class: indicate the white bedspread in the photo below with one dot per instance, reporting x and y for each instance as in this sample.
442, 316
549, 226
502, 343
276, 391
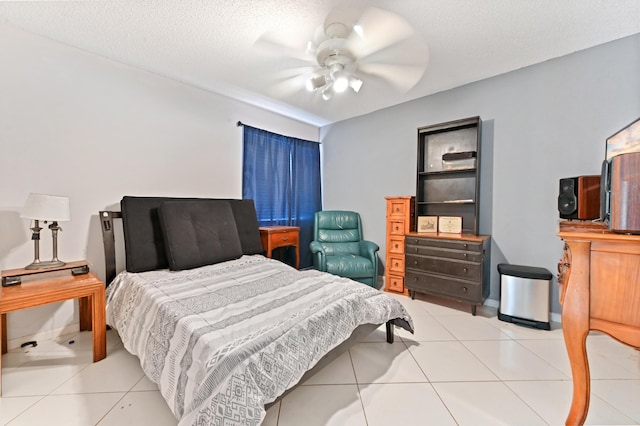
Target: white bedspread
222, 341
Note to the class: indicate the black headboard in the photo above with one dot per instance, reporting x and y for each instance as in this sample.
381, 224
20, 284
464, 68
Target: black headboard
109, 242
147, 246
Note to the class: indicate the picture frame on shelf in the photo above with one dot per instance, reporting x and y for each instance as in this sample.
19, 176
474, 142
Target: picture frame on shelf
450, 224
427, 224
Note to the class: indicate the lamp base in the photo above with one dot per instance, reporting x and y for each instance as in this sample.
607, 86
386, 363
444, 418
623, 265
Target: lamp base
36, 264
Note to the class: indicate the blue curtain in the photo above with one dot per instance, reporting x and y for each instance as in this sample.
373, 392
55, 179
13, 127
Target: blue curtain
282, 176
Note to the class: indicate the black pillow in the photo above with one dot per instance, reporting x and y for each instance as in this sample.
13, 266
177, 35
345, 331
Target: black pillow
143, 241
198, 232
244, 213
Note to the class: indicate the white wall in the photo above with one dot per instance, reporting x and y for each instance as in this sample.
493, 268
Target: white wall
79, 125
540, 124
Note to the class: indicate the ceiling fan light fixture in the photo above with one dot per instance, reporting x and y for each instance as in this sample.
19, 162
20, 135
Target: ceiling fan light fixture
327, 92
340, 82
316, 82
355, 83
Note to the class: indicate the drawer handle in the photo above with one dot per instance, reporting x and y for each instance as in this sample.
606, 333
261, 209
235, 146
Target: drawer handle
397, 246
465, 255
465, 269
397, 228
465, 245
464, 289
285, 238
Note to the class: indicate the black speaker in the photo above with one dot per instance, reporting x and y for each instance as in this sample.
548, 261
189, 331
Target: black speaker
579, 198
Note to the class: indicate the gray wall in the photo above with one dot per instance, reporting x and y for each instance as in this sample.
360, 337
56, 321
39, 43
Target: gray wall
540, 124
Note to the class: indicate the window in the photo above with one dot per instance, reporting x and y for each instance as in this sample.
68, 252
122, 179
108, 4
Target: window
282, 176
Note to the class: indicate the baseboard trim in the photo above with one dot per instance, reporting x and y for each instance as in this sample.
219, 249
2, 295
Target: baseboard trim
43, 335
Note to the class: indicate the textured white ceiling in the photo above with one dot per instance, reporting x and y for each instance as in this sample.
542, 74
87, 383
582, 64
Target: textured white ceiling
212, 44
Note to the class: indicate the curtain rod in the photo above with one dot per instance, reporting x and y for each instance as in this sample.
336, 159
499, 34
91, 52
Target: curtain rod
240, 123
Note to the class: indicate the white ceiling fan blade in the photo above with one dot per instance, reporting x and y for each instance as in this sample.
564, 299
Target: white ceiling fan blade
290, 81
274, 45
402, 76
375, 30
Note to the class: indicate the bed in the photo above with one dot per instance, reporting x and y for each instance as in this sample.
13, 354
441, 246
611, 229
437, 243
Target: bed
221, 329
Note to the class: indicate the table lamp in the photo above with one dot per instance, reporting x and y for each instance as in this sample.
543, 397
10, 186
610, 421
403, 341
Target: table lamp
50, 208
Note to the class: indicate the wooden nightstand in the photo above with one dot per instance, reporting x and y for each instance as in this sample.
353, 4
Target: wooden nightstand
44, 287
280, 236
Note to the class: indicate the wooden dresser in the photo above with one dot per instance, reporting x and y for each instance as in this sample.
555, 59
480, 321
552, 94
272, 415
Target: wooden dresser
450, 265
399, 222
599, 279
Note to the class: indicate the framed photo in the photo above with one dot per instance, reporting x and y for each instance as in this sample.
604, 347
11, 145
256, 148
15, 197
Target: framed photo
427, 224
450, 224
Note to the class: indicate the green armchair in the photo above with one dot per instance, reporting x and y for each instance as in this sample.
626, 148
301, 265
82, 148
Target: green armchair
338, 247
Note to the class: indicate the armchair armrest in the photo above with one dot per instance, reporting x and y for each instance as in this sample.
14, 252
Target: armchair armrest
319, 256
368, 249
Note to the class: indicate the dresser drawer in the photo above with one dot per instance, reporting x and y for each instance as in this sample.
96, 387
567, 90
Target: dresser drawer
452, 267
446, 286
397, 226
395, 264
395, 283
474, 246
471, 256
395, 245
398, 207
283, 239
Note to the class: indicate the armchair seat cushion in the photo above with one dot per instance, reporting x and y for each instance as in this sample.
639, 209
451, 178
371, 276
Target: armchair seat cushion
350, 266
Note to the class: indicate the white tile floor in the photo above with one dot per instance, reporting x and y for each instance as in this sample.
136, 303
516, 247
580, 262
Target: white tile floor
456, 369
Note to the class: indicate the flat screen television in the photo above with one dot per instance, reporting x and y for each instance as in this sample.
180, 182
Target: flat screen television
620, 181
624, 141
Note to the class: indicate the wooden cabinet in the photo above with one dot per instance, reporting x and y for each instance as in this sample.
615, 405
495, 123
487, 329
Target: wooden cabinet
450, 265
399, 222
599, 290
448, 174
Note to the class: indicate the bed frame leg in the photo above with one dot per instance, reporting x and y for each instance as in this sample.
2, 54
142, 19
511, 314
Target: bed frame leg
389, 332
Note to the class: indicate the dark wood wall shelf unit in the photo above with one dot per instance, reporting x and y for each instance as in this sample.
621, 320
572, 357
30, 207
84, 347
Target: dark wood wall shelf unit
448, 171
448, 184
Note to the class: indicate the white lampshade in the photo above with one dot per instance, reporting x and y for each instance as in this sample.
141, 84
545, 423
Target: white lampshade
46, 207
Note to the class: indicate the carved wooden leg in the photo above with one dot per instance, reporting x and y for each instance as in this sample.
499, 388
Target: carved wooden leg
3, 330
575, 340
3, 343
575, 327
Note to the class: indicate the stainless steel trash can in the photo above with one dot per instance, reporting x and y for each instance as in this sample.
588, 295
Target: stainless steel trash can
524, 295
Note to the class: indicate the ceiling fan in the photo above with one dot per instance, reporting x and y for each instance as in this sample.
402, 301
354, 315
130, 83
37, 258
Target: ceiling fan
347, 53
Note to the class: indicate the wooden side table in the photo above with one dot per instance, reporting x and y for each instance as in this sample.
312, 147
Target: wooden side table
280, 236
45, 289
